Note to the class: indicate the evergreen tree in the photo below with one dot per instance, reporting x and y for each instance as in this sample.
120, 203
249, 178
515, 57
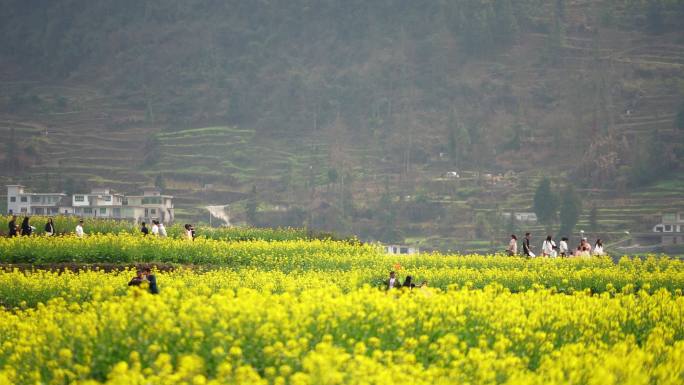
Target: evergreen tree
512, 226
505, 26
251, 207
679, 120
160, 182
387, 217
152, 151
11, 157
593, 219
654, 16
545, 203
332, 176
69, 186
570, 210
452, 141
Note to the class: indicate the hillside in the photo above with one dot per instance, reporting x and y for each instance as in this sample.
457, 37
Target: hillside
346, 116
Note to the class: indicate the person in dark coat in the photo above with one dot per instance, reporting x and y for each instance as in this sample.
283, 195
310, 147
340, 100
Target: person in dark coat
408, 283
152, 280
26, 229
144, 230
12, 227
138, 279
50, 228
527, 249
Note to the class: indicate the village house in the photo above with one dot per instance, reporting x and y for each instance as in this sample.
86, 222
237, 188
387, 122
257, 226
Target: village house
523, 217
401, 250
19, 201
671, 229
99, 203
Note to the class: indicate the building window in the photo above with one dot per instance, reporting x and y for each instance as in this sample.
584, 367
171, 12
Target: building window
668, 228
23, 209
87, 210
103, 211
669, 217
79, 198
151, 200
35, 199
117, 212
153, 211
107, 198
23, 199
13, 199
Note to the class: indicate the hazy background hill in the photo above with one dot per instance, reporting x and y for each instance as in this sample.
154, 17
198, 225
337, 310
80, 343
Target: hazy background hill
347, 115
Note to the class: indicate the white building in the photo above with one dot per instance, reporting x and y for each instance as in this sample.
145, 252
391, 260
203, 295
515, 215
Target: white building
401, 250
672, 228
522, 217
19, 201
151, 205
99, 203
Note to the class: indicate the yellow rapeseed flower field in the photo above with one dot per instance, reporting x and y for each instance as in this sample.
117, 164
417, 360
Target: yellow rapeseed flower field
315, 312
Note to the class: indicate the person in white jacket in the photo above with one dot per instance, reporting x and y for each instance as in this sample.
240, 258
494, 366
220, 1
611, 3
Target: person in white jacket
162, 229
563, 247
598, 248
79, 229
548, 247
155, 228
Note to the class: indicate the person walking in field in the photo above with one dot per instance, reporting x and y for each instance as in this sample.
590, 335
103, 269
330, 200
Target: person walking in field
563, 247
138, 279
584, 248
408, 282
548, 247
188, 232
152, 280
162, 229
26, 229
144, 230
598, 248
527, 248
513, 246
155, 227
79, 229
12, 230
392, 282
50, 227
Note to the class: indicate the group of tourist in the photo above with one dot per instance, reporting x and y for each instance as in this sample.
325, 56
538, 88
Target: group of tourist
549, 247
158, 229
25, 229
394, 283
145, 276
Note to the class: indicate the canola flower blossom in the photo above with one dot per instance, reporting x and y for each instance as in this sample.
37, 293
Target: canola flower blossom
326, 336
314, 312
